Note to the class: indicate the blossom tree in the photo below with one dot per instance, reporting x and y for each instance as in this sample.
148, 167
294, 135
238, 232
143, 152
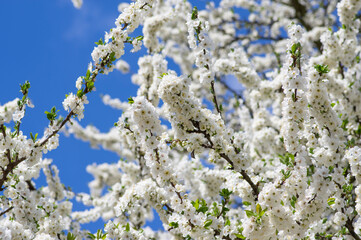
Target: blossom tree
278, 159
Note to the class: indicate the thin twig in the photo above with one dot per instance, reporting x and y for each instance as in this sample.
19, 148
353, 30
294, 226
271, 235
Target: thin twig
215, 99
225, 157
7, 210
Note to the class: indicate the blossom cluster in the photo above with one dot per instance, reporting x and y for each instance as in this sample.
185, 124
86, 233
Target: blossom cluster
239, 129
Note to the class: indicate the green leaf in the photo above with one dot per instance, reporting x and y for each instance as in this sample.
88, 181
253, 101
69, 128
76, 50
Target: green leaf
80, 93
195, 204
258, 209
293, 201
262, 212
321, 69
294, 97
295, 49
52, 114
286, 174
311, 150
70, 236
350, 143
25, 87
101, 235
225, 193
246, 203
208, 223
130, 100
100, 42
203, 208
91, 236
140, 38
87, 75
331, 201
358, 131
173, 224
249, 213
215, 209
194, 13
347, 188
127, 227
200, 205
162, 75
344, 124
33, 137
238, 235
288, 159
112, 57
90, 85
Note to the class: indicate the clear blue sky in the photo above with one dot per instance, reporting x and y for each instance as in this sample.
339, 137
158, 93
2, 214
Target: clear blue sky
49, 44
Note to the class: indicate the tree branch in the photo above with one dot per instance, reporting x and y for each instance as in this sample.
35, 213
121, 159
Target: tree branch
225, 157
6, 211
351, 229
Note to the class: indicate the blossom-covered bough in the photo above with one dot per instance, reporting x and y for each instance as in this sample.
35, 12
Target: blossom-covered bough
278, 159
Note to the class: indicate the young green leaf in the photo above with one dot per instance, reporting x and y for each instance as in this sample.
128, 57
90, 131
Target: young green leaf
194, 13
70, 236
208, 223
130, 100
173, 224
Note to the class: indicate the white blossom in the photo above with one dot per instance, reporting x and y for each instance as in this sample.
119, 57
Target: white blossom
239, 129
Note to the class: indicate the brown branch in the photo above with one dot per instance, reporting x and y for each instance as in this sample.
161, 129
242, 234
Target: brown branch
13, 164
198, 130
341, 70
215, 99
350, 228
9, 168
70, 114
7, 153
223, 208
30, 185
244, 175
2, 127
7, 210
169, 209
225, 157
178, 194
249, 181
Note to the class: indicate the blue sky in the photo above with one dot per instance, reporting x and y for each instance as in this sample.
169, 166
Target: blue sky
49, 44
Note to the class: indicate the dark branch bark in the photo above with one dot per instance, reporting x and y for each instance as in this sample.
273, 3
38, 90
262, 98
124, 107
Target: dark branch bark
215, 99
225, 157
351, 229
6, 211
